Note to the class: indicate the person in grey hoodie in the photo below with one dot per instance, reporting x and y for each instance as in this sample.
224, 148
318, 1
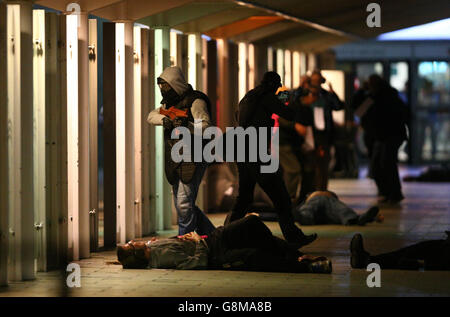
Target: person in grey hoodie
176, 92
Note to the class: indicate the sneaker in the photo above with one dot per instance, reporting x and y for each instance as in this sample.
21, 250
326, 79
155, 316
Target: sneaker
359, 256
322, 267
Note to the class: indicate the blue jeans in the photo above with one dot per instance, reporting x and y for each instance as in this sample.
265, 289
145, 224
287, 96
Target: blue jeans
190, 217
324, 210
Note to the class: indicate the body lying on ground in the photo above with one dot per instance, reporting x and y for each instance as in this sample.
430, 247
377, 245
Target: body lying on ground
246, 244
431, 255
324, 207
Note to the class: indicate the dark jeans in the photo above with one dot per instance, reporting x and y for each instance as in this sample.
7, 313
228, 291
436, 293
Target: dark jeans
273, 185
322, 174
434, 253
324, 210
383, 165
247, 244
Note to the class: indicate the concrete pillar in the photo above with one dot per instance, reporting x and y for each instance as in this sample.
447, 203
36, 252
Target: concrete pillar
287, 69
4, 149
40, 139
312, 62
93, 135
242, 64
163, 201
125, 131
303, 64
138, 175
60, 103
109, 135
280, 63
78, 135
20, 140
251, 67
195, 69
83, 138
295, 69
147, 134
224, 117
56, 212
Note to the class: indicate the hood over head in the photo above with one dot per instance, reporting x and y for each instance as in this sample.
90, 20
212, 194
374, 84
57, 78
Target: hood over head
175, 78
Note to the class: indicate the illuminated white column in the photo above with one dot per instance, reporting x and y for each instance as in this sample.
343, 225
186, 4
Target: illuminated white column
173, 48
195, 73
269, 59
242, 75
280, 63
4, 149
224, 118
204, 65
287, 69
312, 62
295, 69
40, 137
78, 135
20, 141
162, 187
125, 131
72, 136
93, 135
303, 69
83, 135
251, 67
137, 132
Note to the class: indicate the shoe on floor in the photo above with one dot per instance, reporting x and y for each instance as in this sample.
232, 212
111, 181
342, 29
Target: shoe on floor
359, 256
369, 216
307, 239
323, 267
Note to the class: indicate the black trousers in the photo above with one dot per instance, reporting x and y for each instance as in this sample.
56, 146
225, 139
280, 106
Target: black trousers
273, 185
383, 165
307, 161
247, 244
434, 253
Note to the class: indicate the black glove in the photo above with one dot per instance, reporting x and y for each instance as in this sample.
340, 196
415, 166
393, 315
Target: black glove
167, 123
180, 122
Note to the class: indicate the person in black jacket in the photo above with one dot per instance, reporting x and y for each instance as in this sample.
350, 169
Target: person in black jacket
387, 113
255, 110
246, 244
321, 103
431, 255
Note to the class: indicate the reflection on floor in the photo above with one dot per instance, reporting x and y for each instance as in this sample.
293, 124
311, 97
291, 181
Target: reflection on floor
424, 214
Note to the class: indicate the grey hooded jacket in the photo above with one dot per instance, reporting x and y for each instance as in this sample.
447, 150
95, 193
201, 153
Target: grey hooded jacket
175, 78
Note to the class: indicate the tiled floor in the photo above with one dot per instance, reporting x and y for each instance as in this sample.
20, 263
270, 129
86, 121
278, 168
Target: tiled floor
424, 214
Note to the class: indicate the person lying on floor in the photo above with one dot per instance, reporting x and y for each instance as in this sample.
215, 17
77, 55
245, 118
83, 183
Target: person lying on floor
246, 244
432, 255
324, 207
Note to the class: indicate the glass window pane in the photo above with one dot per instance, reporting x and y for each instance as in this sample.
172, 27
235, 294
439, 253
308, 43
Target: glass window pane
433, 83
399, 79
